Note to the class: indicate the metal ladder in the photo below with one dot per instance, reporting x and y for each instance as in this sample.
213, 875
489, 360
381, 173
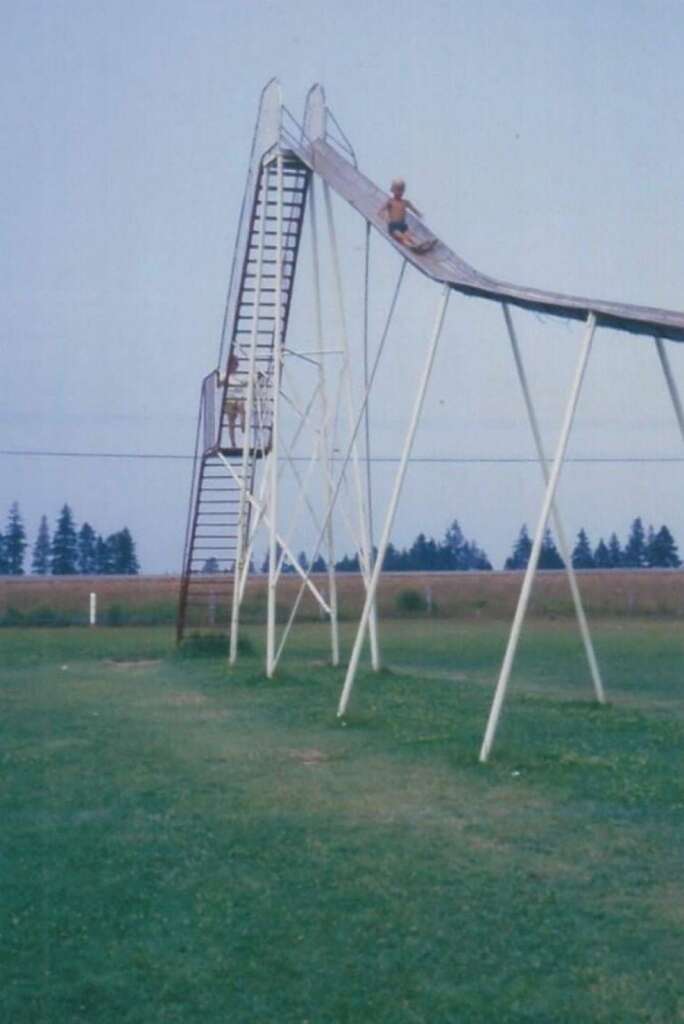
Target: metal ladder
213, 515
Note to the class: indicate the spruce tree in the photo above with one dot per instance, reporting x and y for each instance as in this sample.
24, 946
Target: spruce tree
303, 560
602, 555
122, 553
521, 551
40, 564
549, 557
15, 542
103, 557
648, 546
476, 558
582, 557
663, 550
64, 545
614, 552
634, 555
86, 555
453, 548
3, 556
319, 564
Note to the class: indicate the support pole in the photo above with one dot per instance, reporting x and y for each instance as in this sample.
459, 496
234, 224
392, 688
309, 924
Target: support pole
273, 455
523, 600
671, 383
562, 542
324, 449
358, 486
394, 501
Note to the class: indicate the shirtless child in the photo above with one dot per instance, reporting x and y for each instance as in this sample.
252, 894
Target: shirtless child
394, 212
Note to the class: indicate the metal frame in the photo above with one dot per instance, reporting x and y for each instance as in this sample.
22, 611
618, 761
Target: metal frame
319, 414
533, 562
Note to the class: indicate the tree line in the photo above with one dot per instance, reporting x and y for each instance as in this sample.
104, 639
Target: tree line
645, 548
69, 551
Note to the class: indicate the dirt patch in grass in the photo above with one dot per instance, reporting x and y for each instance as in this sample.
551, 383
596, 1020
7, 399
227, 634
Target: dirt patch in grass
189, 699
312, 756
140, 664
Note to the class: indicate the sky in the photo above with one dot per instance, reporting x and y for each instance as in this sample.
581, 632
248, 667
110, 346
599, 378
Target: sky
542, 141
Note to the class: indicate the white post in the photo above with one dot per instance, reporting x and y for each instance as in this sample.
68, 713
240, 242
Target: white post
346, 371
325, 446
273, 457
671, 384
562, 542
394, 501
248, 445
523, 600
92, 618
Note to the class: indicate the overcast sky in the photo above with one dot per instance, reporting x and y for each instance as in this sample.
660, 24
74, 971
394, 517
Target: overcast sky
543, 141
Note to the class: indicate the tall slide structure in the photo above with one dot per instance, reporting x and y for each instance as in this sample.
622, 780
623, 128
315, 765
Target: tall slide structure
235, 489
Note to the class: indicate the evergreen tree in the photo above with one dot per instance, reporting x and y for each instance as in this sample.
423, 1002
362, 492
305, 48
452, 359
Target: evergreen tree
634, 555
103, 557
391, 560
614, 552
319, 564
122, 553
476, 558
648, 546
41, 549
582, 557
663, 552
348, 564
521, 551
602, 555
86, 541
453, 548
64, 545
211, 565
15, 542
549, 557
3, 556
303, 560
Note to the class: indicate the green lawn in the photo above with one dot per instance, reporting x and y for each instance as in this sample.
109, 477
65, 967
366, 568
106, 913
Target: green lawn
185, 844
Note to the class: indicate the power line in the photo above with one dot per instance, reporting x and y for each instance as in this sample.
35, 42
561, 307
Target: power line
420, 459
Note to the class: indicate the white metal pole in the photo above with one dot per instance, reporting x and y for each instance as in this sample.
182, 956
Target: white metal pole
273, 457
325, 452
523, 600
394, 501
562, 542
671, 383
282, 542
92, 618
346, 372
248, 446
350, 445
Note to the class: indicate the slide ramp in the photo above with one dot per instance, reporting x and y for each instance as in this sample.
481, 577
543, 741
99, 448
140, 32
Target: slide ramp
443, 265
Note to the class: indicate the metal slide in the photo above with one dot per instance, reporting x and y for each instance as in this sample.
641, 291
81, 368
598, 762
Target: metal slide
224, 472
443, 265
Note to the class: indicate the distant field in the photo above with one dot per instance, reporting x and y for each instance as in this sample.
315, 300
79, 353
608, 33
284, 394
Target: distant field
152, 599
184, 844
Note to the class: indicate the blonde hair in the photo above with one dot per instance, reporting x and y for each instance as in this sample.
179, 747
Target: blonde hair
397, 184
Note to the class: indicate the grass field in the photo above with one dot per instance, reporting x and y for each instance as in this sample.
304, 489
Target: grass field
181, 844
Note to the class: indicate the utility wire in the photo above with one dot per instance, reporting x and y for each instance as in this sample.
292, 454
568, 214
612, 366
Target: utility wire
424, 459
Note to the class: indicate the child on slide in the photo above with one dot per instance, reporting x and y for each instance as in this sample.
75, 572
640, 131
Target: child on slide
394, 212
